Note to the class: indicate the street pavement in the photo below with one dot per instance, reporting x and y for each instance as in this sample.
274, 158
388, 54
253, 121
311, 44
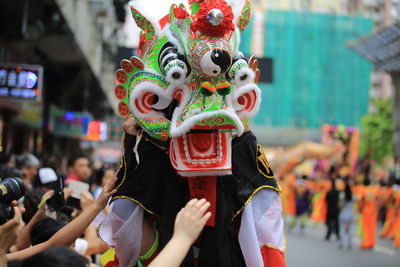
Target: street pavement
309, 249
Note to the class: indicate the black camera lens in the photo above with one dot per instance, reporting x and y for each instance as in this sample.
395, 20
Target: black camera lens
10, 189
6, 213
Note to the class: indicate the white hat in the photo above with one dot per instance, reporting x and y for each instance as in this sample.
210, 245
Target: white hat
47, 175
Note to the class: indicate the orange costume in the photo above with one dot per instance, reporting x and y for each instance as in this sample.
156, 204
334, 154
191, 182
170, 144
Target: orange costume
289, 195
396, 224
319, 204
389, 202
369, 210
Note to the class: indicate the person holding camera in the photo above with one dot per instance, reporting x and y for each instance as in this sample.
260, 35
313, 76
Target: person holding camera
8, 234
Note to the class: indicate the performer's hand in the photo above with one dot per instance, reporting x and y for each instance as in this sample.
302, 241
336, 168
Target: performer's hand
106, 193
191, 219
130, 126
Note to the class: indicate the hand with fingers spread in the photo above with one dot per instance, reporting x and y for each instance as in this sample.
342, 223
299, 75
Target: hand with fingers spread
106, 193
9, 231
188, 224
191, 220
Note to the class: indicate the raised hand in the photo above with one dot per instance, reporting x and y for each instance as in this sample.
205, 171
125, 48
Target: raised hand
191, 219
9, 231
106, 193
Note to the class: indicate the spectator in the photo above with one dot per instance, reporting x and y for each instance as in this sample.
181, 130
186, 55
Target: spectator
78, 168
7, 168
346, 217
29, 165
332, 200
100, 178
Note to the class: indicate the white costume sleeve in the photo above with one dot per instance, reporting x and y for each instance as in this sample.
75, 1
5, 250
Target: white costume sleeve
122, 229
261, 225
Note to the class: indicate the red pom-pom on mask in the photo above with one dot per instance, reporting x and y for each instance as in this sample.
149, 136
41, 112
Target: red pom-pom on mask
214, 18
180, 13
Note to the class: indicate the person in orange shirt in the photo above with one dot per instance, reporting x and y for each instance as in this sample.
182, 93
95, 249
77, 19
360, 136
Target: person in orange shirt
318, 214
396, 223
388, 200
369, 209
289, 195
395, 176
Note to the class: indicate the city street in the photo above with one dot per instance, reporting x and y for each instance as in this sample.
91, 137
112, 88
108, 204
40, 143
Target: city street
310, 249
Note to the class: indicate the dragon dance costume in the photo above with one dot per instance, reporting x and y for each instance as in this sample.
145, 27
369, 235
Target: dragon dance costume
192, 92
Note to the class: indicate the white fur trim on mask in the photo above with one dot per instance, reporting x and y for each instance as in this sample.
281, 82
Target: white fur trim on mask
147, 87
205, 173
244, 71
188, 123
173, 81
237, 7
172, 39
241, 91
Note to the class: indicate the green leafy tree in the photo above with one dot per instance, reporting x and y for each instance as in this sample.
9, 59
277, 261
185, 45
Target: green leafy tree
377, 131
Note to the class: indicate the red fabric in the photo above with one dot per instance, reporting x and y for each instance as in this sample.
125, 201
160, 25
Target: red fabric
163, 21
72, 176
195, 1
180, 13
113, 263
205, 187
202, 24
273, 257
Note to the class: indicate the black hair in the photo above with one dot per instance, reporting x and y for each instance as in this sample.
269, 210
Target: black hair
348, 195
73, 158
56, 257
96, 176
5, 156
31, 200
367, 181
44, 229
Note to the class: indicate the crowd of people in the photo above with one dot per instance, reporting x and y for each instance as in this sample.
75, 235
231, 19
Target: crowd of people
48, 227
349, 205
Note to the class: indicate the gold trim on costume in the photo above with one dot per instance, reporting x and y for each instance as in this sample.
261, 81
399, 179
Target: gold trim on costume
137, 202
252, 195
123, 178
262, 158
273, 247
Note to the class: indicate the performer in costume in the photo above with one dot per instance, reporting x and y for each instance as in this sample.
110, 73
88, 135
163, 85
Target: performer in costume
192, 94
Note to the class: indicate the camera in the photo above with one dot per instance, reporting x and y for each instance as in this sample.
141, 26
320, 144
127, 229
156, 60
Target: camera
49, 179
10, 189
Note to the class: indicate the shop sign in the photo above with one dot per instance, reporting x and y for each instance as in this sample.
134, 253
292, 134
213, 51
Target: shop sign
21, 81
69, 124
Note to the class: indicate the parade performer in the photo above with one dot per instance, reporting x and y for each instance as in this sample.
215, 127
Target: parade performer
369, 210
192, 93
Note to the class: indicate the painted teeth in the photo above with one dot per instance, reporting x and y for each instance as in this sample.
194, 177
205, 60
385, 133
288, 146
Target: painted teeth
203, 161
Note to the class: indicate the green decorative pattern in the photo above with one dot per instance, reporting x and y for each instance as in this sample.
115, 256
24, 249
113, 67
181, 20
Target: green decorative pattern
244, 17
145, 76
142, 22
